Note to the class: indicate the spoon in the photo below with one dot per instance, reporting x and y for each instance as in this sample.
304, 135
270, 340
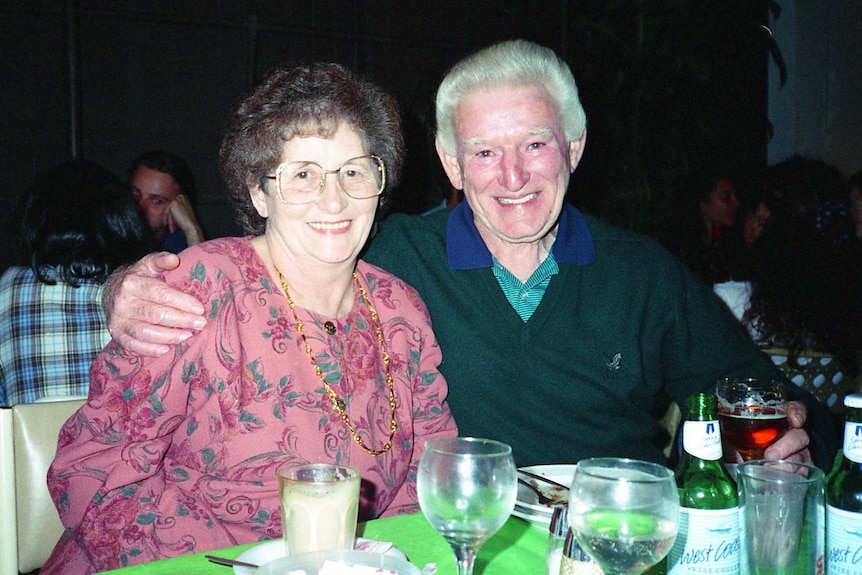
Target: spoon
230, 562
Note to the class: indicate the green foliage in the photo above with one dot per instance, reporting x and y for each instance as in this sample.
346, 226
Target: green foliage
675, 84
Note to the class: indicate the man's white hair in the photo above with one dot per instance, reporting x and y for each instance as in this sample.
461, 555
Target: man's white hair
510, 63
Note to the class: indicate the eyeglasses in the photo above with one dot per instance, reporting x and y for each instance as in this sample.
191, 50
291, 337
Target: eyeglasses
299, 183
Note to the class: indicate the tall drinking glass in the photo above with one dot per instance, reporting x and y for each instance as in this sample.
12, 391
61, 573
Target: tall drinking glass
752, 414
624, 513
467, 489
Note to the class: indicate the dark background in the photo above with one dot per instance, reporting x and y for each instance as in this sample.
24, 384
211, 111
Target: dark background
667, 85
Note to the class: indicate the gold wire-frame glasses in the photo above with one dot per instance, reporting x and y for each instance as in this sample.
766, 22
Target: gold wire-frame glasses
302, 182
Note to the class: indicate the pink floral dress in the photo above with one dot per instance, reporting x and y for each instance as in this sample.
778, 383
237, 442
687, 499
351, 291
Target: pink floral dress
178, 454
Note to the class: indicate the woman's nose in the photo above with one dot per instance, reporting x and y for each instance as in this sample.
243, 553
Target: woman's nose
332, 197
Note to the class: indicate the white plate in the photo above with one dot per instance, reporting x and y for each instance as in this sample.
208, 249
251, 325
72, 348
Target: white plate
274, 549
527, 504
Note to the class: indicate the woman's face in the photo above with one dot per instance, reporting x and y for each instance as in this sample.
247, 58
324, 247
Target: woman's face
722, 205
330, 230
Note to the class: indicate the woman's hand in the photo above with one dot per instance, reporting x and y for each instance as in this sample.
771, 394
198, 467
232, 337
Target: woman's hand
145, 315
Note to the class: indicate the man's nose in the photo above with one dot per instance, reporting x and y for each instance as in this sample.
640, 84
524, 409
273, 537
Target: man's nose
515, 174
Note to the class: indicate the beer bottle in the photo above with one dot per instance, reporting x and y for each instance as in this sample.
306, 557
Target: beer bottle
844, 499
708, 539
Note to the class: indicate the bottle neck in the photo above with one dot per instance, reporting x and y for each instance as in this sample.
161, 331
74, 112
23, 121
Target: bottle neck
853, 435
701, 438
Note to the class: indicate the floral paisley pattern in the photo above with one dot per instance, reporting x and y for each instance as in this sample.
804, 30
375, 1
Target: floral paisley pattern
178, 454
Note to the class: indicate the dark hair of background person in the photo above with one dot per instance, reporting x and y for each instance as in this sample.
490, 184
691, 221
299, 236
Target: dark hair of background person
807, 277
305, 101
793, 185
170, 164
78, 222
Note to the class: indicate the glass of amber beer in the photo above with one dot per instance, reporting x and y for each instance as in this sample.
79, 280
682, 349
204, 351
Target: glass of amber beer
752, 414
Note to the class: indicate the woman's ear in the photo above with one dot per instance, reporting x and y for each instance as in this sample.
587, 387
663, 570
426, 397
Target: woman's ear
258, 196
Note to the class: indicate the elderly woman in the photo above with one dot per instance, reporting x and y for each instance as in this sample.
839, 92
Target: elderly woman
309, 354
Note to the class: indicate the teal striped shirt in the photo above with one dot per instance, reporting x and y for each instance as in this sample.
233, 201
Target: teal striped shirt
525, 297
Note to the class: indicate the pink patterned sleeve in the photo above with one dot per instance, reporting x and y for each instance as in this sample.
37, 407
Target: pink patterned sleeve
431, 415
119, 437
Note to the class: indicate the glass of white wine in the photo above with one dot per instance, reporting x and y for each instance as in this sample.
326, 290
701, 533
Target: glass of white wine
624, 513
467, 489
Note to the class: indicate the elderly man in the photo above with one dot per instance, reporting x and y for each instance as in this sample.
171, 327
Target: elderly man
560, 333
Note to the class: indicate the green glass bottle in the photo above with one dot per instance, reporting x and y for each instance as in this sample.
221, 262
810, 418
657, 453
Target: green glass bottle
708, 540
844, 499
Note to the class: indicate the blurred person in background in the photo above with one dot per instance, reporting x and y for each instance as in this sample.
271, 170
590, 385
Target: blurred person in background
164, 189
801, 302
707, 208
78, 225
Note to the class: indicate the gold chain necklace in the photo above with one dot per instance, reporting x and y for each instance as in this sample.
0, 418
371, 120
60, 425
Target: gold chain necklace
339, 406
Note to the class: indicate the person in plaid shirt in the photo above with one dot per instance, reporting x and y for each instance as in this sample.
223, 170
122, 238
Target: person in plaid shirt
79, 224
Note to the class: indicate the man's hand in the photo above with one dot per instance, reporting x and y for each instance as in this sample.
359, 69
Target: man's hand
145, 315
181, 215
793, 445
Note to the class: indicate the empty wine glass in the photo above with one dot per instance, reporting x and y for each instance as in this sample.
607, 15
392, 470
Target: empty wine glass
467, 489
624, 513
752, 414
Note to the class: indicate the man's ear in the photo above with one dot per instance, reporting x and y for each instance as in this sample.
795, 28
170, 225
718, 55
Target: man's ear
576, 151
450, 166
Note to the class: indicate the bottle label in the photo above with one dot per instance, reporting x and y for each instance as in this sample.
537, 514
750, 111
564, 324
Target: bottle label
707, 544
702, 439
853, 441
843, 542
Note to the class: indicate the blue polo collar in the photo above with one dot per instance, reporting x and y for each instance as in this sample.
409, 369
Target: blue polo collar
466, 249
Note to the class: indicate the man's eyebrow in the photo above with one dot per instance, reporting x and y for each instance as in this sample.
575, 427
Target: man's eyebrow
539, 131
473, 142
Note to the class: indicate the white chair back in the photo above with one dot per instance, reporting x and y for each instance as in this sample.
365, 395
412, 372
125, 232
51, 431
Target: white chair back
29, 524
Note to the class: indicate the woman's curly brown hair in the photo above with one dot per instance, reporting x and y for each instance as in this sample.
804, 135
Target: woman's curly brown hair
301, 101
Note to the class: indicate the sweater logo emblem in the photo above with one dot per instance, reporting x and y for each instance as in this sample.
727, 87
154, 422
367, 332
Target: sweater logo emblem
613, 363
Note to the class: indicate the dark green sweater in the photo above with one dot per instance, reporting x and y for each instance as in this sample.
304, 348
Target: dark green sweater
580, 378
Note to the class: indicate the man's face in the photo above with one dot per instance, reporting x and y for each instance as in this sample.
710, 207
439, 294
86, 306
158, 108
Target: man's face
512, 161
153, 193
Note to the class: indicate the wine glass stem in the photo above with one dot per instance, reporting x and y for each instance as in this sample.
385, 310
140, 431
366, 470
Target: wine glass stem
464, 556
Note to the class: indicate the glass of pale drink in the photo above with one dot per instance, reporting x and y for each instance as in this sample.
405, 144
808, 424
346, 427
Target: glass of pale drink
319, 505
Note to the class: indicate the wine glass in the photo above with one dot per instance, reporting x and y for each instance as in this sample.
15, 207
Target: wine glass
624, 513
752, 414
467, 488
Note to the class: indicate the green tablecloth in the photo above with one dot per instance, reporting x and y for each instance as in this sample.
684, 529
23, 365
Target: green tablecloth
518, 548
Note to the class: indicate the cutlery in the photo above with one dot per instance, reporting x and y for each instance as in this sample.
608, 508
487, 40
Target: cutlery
544, 479
543, 499
230, 562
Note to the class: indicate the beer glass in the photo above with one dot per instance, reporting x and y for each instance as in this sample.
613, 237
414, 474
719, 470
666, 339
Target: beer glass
752, 414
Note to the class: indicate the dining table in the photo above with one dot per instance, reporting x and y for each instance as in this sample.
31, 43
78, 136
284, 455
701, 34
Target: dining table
518, 547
